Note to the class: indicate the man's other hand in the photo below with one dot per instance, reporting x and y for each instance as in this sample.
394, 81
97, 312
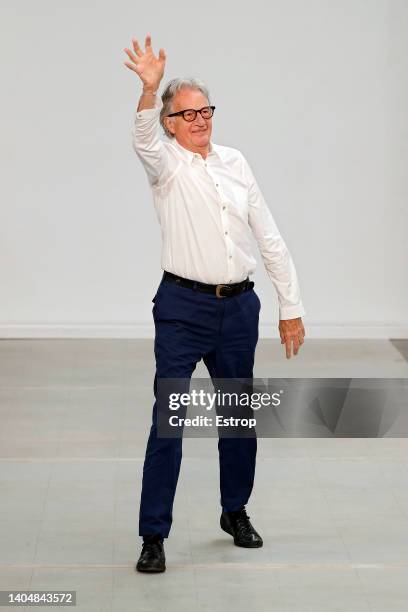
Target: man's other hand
291, 331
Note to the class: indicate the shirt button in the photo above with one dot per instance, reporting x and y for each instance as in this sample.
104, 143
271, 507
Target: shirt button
226, 232
224, 207
216, 184
230, 256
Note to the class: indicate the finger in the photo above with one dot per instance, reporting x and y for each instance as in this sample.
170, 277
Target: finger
288, 348
295, 345
132, 56
148, 42
299, 332
162, 55
131, 66
300, 338
136, 47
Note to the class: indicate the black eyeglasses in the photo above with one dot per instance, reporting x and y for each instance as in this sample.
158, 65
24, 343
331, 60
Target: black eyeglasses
190, 113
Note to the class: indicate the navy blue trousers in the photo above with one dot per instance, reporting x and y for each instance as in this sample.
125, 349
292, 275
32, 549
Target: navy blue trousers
190, 326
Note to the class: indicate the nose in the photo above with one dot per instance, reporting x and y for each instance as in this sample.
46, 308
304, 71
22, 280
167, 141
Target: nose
199, 120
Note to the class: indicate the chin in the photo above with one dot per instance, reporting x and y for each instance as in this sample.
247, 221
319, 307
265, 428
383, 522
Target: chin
204, 136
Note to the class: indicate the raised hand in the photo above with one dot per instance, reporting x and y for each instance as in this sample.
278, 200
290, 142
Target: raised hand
149, 67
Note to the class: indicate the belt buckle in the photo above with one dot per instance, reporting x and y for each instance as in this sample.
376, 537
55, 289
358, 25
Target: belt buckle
218, 289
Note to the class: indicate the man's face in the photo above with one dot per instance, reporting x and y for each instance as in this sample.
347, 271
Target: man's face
192, 135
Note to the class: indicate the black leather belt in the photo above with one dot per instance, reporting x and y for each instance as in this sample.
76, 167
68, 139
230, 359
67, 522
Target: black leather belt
220, 291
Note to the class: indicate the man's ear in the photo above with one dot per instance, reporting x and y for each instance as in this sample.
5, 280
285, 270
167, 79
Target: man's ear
169, 124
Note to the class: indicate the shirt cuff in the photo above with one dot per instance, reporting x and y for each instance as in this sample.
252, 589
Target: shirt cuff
291, 312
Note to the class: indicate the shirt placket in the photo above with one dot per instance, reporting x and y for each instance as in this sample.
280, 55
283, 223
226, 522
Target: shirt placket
225, 225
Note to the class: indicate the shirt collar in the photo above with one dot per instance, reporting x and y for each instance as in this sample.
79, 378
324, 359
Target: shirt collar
190, 155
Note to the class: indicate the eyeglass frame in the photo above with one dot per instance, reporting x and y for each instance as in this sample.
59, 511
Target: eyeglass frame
196, 111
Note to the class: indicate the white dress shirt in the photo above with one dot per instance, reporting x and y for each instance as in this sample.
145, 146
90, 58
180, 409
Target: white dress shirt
207, 210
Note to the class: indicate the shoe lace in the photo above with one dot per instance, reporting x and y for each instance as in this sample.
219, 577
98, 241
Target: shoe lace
151, 547
242, 523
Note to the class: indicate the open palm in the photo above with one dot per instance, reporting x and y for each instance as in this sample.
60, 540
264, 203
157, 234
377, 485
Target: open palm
149, 67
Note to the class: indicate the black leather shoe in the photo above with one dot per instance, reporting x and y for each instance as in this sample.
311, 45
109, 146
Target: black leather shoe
238, 525
152, 558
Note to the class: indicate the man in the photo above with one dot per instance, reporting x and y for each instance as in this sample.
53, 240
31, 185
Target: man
208, 203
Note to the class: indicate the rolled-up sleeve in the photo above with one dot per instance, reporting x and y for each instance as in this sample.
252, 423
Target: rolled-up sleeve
275, 254
147, 143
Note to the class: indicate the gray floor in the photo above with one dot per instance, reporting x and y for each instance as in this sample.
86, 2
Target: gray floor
74, 418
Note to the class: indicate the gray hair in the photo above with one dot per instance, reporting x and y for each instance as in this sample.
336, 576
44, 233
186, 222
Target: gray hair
170, 91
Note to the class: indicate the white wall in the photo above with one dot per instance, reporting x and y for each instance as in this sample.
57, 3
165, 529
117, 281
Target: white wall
315, 95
